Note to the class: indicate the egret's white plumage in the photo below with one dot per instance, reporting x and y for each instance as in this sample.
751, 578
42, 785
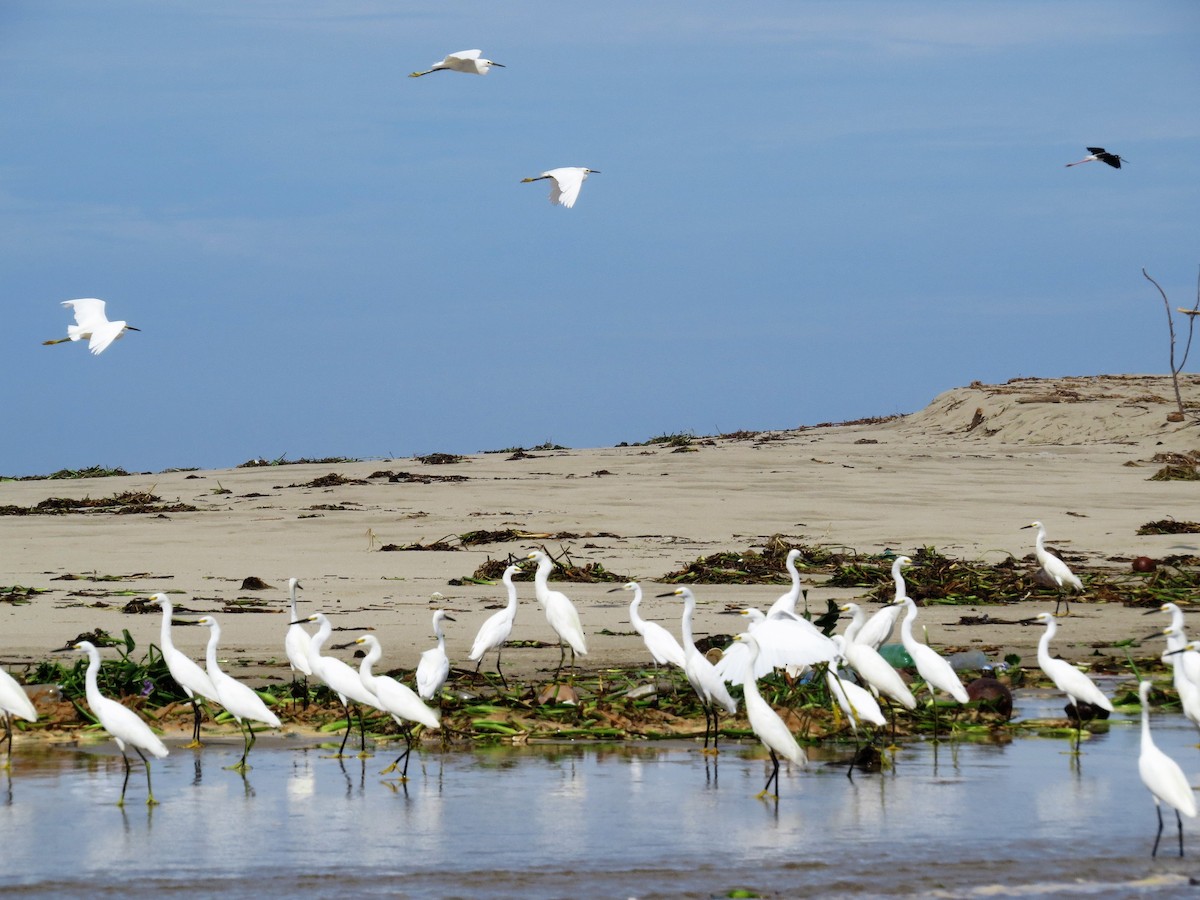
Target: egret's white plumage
766, 723
1176, 656
124, 725
1177, 637
856, 702
935, 671
1068, 679
468, 61
239, 700
663, 647
701, 674
784, 642
398, 700
91, 324
877, 630
186, 671
14, 702
872, 668
434, 666
564, 183
499, 625
1054, 568
560, 611
296, 641
787, 602
339, 678
1162, 776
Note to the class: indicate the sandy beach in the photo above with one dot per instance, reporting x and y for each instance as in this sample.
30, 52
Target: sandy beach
961, 475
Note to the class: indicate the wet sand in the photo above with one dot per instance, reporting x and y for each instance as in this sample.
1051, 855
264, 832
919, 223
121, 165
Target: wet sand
962, 475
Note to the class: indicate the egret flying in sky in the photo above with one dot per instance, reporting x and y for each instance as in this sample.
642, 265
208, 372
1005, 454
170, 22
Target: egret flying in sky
565, 183
239, 700
701, 674
495, 631
91, 323
1099, 154
398, 700
1068, 679
123, 724
560, 611
469, 61
184, 670
1162, 776
766, 724
661, 643
434, 667
1054, 568
14, 702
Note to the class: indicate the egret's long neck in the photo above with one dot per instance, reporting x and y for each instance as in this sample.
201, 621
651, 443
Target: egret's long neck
210, 656
906, 626
1146, 739
441, 638
318, 639
689, 607
1044, 644
858, 618
541, 581
368, 661
512, 595
898, 578
92, 686
165, 640
292, 591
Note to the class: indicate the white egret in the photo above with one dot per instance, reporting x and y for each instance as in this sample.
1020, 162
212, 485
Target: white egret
663, 647
1068, 679
1162, 776
855, 701
701, 674
872, 668
398, 700
495, 631
560, 611
434, 667
14, 702
295, 642
877, 630
186, 671
238, 699
936, 672
339, 678
1099, 154
1054, 568
124, 725
468, 61
1177, 637
784, 642
767, 725
92, 324
787, 602
564, 183
1175, 656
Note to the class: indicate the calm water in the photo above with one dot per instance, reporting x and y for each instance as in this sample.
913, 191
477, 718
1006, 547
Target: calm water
649, 820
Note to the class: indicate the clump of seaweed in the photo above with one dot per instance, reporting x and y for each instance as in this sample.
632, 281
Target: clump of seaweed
409, 477
126, 502
754, 567
440, 459
564, 569
333, 479
1170, 526
417, 545
259, 463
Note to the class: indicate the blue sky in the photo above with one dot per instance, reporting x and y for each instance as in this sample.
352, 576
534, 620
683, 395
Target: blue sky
807, 211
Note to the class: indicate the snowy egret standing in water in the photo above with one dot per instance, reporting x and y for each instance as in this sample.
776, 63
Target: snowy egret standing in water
124, 725
1162, 776
238, 699
936, 672
186, 672
495, 631
766, 724
1068, 679
14, 702
560, 611
341, 679
397, 700
1054, 568
91, 323
295, 642
564, 183
700, 672
434, 667
469, 61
